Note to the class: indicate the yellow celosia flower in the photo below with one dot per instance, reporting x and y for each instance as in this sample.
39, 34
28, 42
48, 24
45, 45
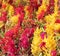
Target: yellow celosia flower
10, 10
56, 26
1, 24
56, 6
50, 18
42, 7
26, 11
17, 2
50, 29
37, 40
14, 19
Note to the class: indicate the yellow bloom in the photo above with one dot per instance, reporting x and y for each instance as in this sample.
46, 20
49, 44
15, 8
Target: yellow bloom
56, 26
49, 19
26, 11
35, 43
14, 19
50, 43
42, 7
10, 10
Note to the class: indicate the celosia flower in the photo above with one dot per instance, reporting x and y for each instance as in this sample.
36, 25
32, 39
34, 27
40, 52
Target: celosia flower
43, 34
14, 19
57, 21
8, 46
44, 45
9, 33
19, 9
4, 6
25, 42
53, 53
12, 32
25, 37
41, 15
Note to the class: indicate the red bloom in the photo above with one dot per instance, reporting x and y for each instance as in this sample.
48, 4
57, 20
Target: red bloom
42, 44
9, 33
3, 17
40, 16
4, 6
9, 46
19, 9
57, 21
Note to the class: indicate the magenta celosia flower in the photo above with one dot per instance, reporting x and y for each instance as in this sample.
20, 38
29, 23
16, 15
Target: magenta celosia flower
28, 32
19, 9
25, 42
25, 37
43, 34
9, 33
53, 53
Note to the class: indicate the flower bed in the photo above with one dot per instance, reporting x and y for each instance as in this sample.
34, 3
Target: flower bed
29, 28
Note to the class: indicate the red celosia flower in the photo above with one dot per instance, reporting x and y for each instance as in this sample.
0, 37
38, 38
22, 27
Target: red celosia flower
40, 15
9, 33
10, 1
4, 6
19, 9
13, 31
42, 44
57, 21
3, 17
21, 17
50, 7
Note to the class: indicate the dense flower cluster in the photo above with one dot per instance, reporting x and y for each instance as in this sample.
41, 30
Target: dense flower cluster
29, 28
